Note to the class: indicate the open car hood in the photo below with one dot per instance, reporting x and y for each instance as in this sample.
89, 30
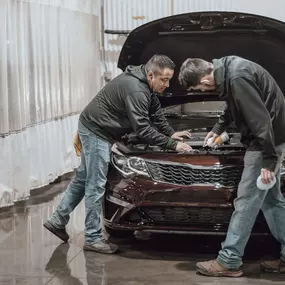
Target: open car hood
208, 35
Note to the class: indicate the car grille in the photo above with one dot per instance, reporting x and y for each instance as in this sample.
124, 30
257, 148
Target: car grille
186, 215
196, 216
185, 175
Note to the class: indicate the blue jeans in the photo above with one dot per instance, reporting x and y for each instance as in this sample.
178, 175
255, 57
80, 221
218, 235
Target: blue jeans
89, 182
247, 205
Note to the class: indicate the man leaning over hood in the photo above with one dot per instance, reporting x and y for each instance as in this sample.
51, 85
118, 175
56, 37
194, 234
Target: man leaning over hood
126, 104
256, 105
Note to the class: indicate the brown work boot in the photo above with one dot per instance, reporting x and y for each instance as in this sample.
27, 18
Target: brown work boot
213, 268
102, 246
273, 266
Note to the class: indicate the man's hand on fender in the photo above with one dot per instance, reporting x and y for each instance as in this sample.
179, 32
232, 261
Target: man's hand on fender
179, 135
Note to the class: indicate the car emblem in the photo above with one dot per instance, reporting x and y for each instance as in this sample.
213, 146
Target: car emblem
217, 186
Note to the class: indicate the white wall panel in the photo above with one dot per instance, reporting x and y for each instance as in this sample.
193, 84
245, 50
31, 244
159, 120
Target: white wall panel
49, 70
127, 15
84, 6
36, 157
184, 6
274, 9
49, 60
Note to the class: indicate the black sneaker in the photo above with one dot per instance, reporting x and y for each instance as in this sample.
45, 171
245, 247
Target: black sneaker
102, 246
60, 233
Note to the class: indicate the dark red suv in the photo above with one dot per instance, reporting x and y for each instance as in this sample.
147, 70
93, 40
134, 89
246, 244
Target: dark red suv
156, 190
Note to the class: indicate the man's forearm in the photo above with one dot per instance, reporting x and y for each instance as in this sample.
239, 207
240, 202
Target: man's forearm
223, 123
165, 129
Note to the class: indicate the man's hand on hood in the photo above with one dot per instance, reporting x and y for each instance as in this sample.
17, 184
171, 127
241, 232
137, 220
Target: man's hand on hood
183, 147
180, 135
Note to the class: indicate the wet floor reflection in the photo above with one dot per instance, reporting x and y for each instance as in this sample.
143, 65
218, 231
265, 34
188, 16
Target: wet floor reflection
137, 266
31, 255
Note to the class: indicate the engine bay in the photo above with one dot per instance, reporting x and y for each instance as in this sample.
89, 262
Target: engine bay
196, 141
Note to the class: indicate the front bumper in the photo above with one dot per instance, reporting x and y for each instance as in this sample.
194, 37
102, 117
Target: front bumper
145, 205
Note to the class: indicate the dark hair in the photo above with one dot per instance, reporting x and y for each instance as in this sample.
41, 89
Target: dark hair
192, 70
159, 62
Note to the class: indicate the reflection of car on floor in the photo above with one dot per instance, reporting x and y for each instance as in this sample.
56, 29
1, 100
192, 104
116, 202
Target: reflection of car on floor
158, 190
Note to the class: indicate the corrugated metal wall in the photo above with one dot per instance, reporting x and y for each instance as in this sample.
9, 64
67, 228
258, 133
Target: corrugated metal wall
90, 7
273, 8
49, 70
129, 14
47, 65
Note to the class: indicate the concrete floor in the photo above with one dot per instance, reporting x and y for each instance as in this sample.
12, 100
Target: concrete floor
31, 255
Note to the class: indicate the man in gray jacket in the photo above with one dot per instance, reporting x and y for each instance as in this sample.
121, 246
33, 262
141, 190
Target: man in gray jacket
125, 105
257, 107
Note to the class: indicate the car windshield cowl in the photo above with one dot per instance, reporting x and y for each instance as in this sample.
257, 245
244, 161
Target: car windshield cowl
204, 114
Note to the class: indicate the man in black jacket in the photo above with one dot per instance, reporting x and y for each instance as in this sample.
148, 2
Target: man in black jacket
127, 104
256, 105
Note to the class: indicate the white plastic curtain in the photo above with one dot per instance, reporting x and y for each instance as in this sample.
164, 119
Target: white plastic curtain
49, 71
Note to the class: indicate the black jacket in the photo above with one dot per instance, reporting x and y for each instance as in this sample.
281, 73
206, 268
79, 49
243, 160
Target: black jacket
255, 104
126, 105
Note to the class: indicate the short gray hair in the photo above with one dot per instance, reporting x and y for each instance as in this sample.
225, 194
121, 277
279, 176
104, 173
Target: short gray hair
159, 62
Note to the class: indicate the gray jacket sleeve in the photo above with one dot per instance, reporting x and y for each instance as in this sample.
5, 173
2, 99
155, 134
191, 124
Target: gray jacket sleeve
223, 123
248, 101
138, 106
159, 119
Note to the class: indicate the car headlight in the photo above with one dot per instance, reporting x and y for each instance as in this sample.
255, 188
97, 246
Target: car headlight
128, 166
